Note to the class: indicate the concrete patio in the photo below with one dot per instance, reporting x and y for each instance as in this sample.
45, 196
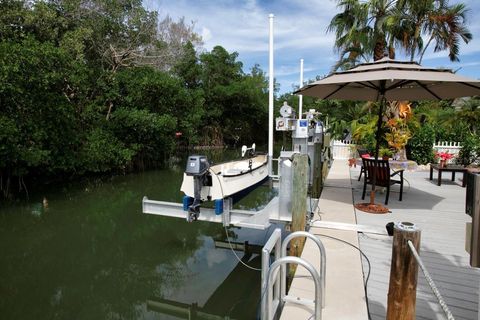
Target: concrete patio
439, 211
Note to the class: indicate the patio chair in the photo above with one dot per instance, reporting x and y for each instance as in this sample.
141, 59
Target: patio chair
383, 175
362, 152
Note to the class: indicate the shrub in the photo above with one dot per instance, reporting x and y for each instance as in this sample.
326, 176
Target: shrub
385, 152
470, 151
421, 145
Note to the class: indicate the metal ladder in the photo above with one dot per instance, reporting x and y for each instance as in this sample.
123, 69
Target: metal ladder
274, 281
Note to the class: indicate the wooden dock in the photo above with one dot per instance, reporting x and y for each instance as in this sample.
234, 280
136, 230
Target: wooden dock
345, 293
439, 211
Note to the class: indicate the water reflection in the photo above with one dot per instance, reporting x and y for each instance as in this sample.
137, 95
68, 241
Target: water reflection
93, 254
222, 287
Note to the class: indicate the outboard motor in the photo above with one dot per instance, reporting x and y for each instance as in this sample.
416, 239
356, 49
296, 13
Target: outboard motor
197, 166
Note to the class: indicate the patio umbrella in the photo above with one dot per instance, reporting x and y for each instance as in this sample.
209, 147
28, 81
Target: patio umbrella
391, 80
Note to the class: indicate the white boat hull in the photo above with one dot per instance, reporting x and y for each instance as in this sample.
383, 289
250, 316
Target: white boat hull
229, 178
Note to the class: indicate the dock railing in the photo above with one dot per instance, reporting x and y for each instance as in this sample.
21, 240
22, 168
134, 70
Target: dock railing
430, 282
274, 244
274, 281
401, 304
323, 262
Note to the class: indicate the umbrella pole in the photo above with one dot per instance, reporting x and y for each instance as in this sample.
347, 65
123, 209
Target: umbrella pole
377, 147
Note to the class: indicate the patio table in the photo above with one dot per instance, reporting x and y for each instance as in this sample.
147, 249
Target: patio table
407, 165
448, 168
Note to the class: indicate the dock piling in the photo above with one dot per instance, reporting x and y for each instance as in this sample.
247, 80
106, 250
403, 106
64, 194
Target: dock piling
299, 203
402, 291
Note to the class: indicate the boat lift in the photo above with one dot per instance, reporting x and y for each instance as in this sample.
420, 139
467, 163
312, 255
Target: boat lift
305, 134
239, 218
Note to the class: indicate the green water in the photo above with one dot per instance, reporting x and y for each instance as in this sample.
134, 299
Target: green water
92, 254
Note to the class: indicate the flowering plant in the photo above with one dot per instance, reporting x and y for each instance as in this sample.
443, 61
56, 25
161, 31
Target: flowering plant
444, 155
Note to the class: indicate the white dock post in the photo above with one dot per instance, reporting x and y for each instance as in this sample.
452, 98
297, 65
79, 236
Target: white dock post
270, 98
300, 97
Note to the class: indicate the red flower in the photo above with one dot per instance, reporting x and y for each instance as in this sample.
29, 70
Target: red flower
444, 155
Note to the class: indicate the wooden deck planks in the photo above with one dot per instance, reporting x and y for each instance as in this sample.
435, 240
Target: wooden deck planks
442, 249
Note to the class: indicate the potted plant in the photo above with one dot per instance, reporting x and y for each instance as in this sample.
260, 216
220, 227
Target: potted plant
385, 153
443, 157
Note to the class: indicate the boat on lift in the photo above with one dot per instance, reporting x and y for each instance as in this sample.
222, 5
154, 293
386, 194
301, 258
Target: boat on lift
202, 182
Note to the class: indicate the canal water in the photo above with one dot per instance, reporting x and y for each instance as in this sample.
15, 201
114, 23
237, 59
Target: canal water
88, 252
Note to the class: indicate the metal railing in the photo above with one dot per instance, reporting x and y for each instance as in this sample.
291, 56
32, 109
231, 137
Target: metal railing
274, 282
323, 262
273, 243
430, 282
273, 272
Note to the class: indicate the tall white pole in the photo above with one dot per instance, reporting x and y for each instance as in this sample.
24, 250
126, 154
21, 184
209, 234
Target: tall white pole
300, 97
270, 98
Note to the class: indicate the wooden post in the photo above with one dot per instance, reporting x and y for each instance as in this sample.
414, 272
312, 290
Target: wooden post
299, 200
402, 291
317, 166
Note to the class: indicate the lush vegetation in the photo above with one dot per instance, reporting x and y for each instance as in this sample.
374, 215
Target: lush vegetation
97, 86
370, 30
375, 28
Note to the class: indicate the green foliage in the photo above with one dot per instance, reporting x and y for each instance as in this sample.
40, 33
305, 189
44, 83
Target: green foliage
470, 151
149, 135
421, 144
102, 151
385, 152
364, 133
368, 29
101, 86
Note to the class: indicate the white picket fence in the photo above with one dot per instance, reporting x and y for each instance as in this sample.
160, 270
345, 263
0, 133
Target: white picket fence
344, 149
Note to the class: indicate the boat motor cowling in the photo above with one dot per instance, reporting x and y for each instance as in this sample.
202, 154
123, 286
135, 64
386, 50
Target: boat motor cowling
197, 166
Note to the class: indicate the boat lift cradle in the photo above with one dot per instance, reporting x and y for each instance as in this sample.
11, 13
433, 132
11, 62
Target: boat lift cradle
240, 218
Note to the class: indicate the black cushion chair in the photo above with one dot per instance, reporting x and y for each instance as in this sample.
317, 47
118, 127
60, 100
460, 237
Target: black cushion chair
362, 152
383, 176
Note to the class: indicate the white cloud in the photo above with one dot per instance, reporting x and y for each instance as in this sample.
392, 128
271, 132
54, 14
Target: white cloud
206, 34
299, 31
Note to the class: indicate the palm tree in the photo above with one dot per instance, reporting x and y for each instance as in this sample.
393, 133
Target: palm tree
369, 29
446, 27
469, 113
352, 33
361, 30
380, 12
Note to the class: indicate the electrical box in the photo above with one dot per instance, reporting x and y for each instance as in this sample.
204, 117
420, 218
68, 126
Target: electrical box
472, 208
319, 127
301, 129
285, 124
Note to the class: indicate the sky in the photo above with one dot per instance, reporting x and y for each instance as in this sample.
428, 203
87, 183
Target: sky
300, 32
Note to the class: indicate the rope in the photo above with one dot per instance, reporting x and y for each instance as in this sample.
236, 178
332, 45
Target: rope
226, 231
238, 258
431, 283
